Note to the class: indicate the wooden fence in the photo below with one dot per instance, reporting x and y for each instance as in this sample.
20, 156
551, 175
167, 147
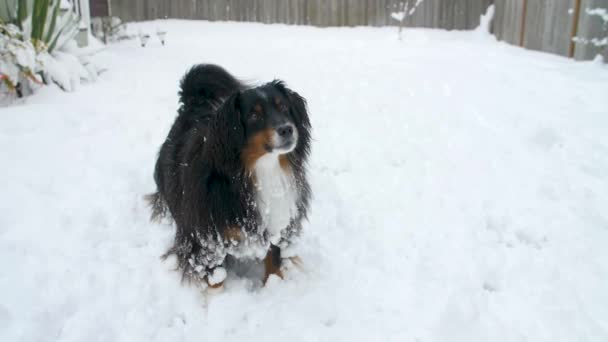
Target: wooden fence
544, 25
551, 25
447, 14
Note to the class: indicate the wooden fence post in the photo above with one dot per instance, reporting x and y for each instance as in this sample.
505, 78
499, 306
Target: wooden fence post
522, 31
576, 16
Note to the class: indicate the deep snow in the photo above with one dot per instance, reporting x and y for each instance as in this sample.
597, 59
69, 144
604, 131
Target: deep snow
460, 194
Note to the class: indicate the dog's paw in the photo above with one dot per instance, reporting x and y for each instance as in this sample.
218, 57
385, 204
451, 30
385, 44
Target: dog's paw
273, 279
216, 277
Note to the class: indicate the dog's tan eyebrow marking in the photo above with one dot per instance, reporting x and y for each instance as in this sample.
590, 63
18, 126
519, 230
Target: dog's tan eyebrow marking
257, 108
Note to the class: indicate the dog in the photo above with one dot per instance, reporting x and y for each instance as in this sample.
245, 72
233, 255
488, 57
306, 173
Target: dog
232, 173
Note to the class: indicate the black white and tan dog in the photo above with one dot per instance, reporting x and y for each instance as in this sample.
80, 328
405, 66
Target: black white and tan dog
232, 173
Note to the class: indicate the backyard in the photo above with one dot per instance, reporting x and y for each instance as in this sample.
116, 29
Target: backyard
459, 184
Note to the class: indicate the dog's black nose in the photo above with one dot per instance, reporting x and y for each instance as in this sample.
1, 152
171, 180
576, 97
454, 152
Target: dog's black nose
285, 131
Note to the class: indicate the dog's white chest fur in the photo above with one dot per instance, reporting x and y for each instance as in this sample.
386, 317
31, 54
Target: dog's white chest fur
276, 196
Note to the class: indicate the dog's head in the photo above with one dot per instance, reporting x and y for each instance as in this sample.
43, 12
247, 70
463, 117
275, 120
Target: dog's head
269, 119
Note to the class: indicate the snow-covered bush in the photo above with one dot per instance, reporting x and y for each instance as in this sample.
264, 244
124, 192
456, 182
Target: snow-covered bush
485, 22
20, 63
109, 29
601, 42
36, 37
405, 9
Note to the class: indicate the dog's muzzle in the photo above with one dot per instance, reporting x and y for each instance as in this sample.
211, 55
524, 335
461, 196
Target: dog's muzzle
285, 138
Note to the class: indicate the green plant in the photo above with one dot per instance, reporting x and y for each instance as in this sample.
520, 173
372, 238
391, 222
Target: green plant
31, 34
43, 22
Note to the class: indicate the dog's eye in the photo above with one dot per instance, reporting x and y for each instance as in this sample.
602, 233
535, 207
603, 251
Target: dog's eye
282, 107
254, 116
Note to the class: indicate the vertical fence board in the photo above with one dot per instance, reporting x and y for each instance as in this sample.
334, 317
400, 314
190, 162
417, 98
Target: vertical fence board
508, 19
202, 9
548, 26
371, 8
294, 12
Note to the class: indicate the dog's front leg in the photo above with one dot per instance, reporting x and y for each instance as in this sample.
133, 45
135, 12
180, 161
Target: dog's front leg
272, 263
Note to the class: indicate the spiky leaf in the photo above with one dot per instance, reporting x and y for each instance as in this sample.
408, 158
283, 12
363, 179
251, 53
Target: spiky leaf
44, 9
51, 29
21, 12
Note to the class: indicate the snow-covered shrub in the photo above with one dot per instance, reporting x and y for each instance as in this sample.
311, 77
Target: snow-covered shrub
405, 9
20, 63
109, 29
36, 45
601, 42
485, 22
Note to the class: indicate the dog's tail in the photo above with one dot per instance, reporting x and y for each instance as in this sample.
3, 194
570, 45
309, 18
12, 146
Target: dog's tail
207, 85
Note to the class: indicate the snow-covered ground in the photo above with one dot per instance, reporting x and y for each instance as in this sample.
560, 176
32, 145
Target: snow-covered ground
460, 194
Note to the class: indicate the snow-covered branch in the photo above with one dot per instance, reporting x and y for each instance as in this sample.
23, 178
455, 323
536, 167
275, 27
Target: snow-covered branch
600, 12
599, 42
405, 10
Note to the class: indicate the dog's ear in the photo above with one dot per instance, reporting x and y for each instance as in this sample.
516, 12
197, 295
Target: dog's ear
299, 112
228, 132
297, 104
